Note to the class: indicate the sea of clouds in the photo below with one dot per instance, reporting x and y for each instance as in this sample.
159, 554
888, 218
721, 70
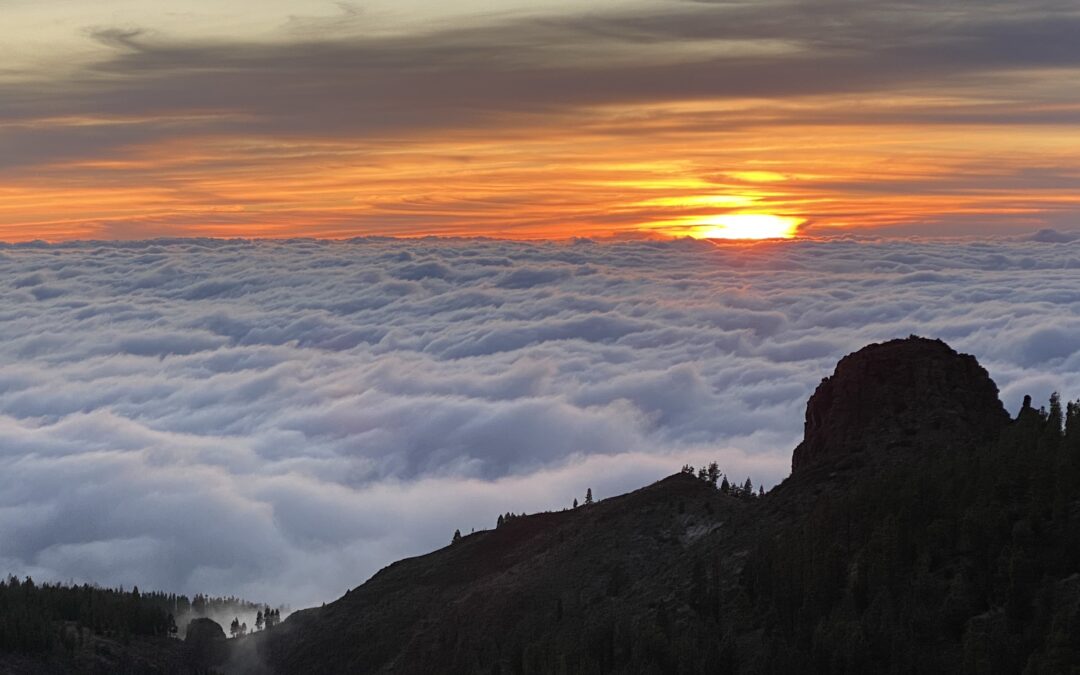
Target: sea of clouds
280, 420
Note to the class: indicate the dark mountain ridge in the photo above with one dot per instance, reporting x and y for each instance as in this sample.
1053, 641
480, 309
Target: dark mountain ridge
921, 530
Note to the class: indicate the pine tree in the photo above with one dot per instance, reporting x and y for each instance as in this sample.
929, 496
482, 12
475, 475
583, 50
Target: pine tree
1072, 426
725, 486
271, 617
259, 620
1055, 425
234, 627
1055, 421
575, 502
713, 473
588, 497
457, 537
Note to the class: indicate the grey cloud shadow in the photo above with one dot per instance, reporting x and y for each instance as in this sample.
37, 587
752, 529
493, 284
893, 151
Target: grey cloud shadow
527, 71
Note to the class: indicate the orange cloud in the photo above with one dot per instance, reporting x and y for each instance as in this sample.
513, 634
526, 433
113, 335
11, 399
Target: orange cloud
547, 182
568, 127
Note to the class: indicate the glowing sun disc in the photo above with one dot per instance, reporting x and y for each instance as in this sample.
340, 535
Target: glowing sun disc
746, 226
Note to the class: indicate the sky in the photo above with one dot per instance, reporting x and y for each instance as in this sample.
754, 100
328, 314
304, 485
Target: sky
131, 119
291, 290
280, 419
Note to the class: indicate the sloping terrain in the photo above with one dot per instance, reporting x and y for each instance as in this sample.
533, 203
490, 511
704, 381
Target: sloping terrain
921, 530
573, 589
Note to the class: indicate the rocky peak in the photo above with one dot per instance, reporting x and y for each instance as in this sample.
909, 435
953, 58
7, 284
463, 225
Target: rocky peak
906, 393
205, 642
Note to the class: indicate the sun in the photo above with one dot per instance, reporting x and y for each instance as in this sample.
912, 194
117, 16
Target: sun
745, 226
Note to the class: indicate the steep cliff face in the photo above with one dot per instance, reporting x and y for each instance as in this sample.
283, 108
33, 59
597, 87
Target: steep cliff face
900, 394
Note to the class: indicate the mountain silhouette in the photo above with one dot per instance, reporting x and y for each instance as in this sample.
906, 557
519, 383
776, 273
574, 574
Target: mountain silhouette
921, 531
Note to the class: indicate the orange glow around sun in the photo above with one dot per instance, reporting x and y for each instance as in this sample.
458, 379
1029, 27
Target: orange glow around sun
741, 226
608, 174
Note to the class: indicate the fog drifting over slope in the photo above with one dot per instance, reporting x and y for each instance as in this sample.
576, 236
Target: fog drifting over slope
280, 420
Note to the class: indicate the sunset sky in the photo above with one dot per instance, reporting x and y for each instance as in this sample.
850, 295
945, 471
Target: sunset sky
203, 390
124, 119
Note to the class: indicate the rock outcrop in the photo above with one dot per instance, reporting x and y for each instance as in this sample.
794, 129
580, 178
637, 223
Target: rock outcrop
205, 642
897, 395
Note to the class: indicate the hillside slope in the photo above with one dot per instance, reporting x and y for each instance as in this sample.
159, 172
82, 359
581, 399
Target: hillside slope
571, 587
921, 531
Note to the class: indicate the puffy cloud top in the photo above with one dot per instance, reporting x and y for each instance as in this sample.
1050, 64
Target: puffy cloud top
279, 420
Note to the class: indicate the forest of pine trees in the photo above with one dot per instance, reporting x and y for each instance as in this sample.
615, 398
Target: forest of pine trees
952, 561
711, 474
962, 560
957, 562
33, 617
265, 619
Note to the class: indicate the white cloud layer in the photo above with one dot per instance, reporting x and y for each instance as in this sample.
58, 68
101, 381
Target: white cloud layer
280, 420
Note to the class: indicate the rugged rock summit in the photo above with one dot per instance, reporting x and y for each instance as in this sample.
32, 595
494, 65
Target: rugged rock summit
911, 392
205, 642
